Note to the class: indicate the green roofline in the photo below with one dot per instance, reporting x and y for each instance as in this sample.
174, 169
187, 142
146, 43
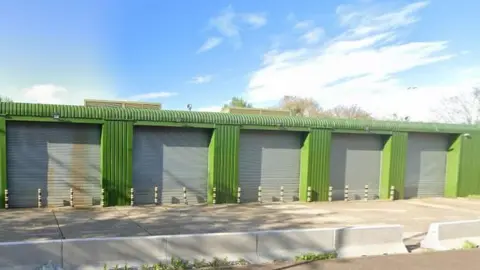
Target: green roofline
9, 109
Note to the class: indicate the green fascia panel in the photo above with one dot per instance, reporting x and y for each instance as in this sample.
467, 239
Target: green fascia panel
394, 163
469, 173
223, 164
453, 167
52, 120
3, 161
315, 165
117, 146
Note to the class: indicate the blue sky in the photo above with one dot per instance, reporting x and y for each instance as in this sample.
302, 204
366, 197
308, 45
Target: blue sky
363, 52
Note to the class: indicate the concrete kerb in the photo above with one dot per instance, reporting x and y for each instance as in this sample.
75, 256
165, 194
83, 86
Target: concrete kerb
361, 241
254, 247
30, 254
451, 235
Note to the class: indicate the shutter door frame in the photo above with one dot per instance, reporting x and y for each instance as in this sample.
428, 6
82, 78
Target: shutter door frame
170, 158
364, 151
65, 156
265, 162
426, 165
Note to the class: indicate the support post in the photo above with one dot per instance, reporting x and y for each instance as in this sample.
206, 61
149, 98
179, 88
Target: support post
39, 197
345, 195
71, 197
260, 194
132, 197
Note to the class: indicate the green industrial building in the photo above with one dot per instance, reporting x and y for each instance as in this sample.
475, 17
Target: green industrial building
101, 154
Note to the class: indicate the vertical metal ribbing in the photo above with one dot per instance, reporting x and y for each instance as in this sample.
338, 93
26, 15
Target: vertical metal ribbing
6, 199
345, 195
260, 194
239, 192
365, 195
39, 198
132, 197
71, 197
330, 193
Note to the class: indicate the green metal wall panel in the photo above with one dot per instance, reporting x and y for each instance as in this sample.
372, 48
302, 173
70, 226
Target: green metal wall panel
117, 144
3, 161
38, 111
223, 163
453, 167
315, 165
394, 159
469, 174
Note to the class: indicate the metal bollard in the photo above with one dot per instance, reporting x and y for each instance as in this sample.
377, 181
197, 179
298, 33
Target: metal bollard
345, 195
281, 193
71, 197
185, 195
102, 203
6, 198
132, 197
214, 195
365, 196
392, 193
330, 193
239, 192
260, 194
39, 191
155, 195
309, 194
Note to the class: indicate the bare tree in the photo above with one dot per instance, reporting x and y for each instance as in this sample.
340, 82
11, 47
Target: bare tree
238, 102
349, 112
5, 99
463, 109
397, 117
300, 106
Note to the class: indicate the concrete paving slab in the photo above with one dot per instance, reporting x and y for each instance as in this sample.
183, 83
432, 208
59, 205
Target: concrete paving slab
35, 224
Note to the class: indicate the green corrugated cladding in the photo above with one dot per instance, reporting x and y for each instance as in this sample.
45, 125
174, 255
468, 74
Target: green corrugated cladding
394, 163
453, 167
117, 144
315, 165
131, 114
469, 175
3, 160
223, 163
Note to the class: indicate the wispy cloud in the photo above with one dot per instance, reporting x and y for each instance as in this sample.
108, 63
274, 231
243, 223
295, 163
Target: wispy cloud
201, 79
210, 109
152, 95
228, 24
359, 66
313, 36
209, 44
304, 24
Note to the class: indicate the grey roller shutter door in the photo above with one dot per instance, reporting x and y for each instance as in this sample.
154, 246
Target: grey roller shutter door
53, 157
269, 159
426, 165
356, 162
171, 159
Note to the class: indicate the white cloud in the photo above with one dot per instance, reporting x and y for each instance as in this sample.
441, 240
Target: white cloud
56, 94
209, 44
210, 109
313, 36
202, 79
359, 66
152, 95
228, 23
256, 20
304, 24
